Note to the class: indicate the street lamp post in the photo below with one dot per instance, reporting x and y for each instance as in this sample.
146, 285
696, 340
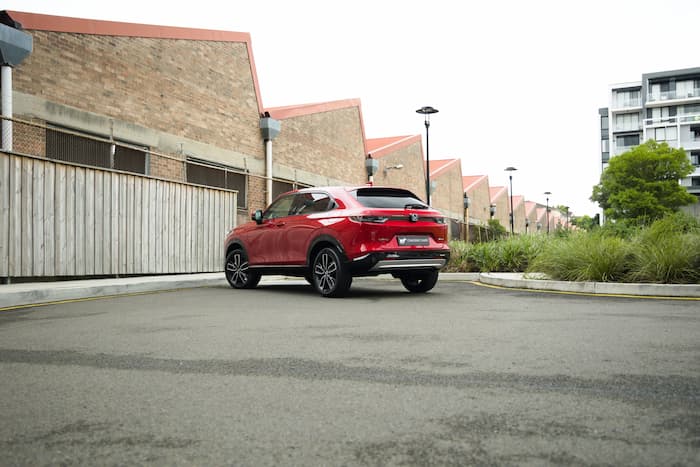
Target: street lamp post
426, 111
510, 171
547, 209
466, 203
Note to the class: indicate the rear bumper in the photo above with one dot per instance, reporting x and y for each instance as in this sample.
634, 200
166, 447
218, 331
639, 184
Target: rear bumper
398, 261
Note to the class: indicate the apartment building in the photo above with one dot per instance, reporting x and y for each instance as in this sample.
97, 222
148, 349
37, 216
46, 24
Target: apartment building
664, 106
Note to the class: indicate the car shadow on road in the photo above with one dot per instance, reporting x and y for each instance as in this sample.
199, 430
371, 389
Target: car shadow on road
359, 291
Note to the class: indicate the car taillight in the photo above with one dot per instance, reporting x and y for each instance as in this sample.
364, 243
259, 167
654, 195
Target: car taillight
371, 219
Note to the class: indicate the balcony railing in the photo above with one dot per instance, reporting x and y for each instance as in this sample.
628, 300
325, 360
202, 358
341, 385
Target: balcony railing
629, 127
670, 95
621, 149
689, 118
625, 103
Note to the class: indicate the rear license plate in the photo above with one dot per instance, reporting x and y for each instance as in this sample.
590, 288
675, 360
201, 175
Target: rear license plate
413, 240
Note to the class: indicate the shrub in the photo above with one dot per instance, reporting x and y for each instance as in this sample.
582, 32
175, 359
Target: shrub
512, 254
584, 257
668, 251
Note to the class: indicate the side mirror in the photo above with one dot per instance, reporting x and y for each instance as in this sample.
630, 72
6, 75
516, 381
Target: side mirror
257, 216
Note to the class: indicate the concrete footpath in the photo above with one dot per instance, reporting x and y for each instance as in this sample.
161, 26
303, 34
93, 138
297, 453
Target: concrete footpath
36, 293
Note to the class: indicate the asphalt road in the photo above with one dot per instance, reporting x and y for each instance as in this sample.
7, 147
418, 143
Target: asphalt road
465, 375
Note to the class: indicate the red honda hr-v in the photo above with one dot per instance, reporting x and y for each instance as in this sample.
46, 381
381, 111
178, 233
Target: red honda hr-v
331, 234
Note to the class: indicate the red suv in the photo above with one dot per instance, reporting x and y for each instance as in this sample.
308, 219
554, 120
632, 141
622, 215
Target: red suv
330, 235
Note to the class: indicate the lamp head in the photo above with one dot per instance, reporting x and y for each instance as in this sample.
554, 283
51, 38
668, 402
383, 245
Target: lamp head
426, 111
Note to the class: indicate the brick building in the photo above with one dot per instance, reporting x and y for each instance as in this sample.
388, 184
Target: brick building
184, 105
400, 162
447, 194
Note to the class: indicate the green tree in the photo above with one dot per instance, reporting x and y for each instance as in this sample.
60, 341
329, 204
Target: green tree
497, 230
585, 222
641, 185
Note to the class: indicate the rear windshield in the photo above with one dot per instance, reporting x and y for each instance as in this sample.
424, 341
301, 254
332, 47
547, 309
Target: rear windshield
388, 198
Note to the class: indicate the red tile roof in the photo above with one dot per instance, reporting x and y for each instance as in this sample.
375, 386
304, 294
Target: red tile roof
439, 166
541, 215
530, 207
379, 147
518, 200
41, 22
290, 111
470, 181
496, 192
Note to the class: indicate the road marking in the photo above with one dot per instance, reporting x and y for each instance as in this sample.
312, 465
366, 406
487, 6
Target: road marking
87, 299
585, 294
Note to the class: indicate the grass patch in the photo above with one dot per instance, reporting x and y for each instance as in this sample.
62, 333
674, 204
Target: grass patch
667, 252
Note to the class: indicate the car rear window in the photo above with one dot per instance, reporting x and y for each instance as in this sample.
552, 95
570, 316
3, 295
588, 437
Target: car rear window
388, 198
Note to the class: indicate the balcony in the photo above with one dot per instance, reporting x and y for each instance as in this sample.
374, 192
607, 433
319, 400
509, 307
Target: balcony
690, 143
627, 127
626, 103
673, 95
622, 149
664, 121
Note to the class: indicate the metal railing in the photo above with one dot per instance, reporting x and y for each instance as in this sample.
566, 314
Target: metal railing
671, 95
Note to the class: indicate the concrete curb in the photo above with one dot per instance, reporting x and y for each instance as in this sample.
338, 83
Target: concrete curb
37, 293
516, 280
43, 292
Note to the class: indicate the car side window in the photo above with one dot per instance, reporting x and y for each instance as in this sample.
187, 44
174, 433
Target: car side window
279, 208
309, 203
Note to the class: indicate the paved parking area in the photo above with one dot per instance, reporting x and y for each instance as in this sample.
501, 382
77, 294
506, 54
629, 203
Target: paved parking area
280, 376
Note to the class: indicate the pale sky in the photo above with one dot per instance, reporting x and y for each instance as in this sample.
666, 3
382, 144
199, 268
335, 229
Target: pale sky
517, 83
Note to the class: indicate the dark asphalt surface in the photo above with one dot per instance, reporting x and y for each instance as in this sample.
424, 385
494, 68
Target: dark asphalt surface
465, 375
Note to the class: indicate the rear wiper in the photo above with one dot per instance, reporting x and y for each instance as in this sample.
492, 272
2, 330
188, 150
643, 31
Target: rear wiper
415, 206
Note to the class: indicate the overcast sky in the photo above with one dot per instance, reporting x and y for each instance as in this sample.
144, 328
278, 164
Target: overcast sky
516, 83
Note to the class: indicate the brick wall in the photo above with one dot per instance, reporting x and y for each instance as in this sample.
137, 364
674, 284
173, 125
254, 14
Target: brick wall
411, 176
326, 143
29, 139
167, 168
480, 202
502, 203
519, 212
256, 193
202, 90
448, 195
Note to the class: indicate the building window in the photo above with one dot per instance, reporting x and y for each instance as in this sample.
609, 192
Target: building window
624, 141
695, 181
604, 123
695, 158
695, 132
209, 173
662, 114
627, 99
627, 122
666, 134
85, 150
691, 109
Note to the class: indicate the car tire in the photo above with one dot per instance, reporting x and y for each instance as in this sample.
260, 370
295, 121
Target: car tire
238, 274
329, 274
420, 282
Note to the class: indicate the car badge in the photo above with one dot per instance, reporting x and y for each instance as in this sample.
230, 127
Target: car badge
413, 217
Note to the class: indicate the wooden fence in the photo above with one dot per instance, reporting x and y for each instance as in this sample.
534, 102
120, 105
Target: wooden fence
64, 220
